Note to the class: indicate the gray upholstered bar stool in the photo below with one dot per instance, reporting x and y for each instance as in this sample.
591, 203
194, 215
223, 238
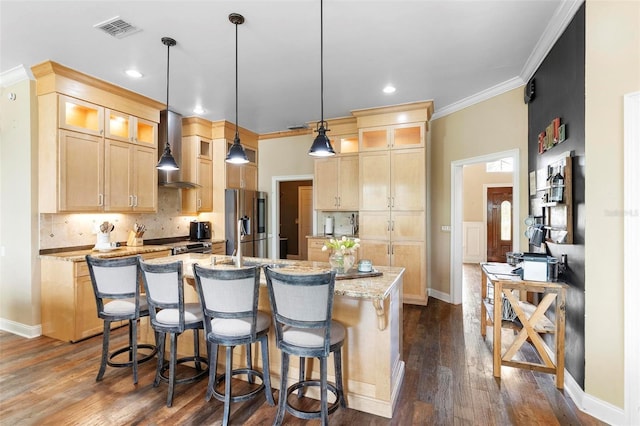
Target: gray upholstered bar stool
170, 314
117, 292
302, 306
229, 299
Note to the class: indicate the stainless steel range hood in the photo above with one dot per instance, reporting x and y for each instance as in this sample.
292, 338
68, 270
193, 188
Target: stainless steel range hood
171, 126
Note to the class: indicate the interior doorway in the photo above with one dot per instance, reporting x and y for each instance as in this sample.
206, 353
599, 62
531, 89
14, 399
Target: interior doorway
284, 215
457, 214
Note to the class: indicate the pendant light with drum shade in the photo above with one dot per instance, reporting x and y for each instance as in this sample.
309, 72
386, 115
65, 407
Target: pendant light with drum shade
236, 154
167, 162
321, 146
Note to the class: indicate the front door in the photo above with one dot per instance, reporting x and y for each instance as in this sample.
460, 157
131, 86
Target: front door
499, 223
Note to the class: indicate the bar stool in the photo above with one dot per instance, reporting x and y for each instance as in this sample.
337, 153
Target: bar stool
301, 306
171, 315
229, 299
117, 281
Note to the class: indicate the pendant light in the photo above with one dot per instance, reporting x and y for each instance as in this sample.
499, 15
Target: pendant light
321, 146
167, 162
236, 154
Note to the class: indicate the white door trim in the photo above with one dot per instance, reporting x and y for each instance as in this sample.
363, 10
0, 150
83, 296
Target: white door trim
274, 252
455, 281
631, 256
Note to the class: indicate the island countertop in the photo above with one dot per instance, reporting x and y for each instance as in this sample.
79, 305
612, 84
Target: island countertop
370, 308
79, 255
366, 287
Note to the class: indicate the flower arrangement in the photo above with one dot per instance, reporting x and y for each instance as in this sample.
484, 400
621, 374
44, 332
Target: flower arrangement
343, 246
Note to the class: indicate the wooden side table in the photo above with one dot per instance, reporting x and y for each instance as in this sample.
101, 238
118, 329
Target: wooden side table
533, 319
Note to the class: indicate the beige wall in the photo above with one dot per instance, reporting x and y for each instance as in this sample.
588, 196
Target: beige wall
475, 176
19, 265
495, 125
612, 70
283, 157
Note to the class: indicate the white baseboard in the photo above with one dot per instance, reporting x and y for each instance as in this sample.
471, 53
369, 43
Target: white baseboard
445, 297
28, 331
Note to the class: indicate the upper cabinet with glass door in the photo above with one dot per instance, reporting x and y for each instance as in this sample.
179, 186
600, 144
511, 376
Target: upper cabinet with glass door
392, 137
80, 116
128, 128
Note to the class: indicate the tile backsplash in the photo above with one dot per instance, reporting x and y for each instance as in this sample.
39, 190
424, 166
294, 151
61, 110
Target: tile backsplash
78, 229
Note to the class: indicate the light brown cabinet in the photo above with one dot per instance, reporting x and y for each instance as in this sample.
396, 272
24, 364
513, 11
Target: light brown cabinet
68, 308
392, 137
336, 182
314, 250
128, 128
243, 176
97, 153
393, 202
198, 167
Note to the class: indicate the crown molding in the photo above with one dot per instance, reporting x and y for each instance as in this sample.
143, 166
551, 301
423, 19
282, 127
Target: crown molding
14, 75
557, 24
496, 90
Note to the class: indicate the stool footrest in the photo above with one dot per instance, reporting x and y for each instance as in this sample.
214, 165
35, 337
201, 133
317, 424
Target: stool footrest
311, 414
200, 372
242, 397
141, 357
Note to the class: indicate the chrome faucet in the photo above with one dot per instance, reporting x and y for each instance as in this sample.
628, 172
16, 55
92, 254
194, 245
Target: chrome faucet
243, 229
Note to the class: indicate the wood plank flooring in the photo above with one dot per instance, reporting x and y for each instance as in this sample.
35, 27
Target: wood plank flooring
448, 381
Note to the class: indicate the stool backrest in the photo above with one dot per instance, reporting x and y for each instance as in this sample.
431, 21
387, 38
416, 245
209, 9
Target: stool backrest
114, 279
301, 300
165, 289
228, 293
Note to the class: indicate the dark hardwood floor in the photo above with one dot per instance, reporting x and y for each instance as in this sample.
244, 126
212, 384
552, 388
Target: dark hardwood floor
448, 381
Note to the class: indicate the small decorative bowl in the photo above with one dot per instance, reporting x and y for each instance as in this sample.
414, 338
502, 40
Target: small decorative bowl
364, 265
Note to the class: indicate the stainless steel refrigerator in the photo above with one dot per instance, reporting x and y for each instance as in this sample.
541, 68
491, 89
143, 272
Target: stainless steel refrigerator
251, 205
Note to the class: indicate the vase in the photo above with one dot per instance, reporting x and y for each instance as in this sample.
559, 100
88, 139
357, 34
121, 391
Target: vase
341, 263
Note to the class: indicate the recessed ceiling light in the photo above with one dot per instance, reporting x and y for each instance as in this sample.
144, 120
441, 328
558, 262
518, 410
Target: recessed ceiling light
134, 73
389, 89
198, 110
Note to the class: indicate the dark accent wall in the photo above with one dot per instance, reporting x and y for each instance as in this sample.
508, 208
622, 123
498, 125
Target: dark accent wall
560, 92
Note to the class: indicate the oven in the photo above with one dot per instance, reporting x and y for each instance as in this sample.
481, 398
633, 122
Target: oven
190, 247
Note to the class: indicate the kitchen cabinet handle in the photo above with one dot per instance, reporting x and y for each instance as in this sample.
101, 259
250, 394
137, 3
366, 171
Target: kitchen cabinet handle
393, 225
393, 201
199, 202
388, 226
388, 201
100, 200
135, 201
339, 201
392, 250
130, 200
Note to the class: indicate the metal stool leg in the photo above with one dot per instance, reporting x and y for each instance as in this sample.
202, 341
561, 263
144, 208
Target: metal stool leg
227, 386
105, 350
172, 368
282, 402
337, 360
266, 376
301, 375
213, 367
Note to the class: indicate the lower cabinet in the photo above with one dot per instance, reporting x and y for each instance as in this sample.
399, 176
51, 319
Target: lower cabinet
314, 250
410, 255
68, 306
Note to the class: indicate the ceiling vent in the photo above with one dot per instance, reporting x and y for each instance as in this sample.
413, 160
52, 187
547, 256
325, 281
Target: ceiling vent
117, 27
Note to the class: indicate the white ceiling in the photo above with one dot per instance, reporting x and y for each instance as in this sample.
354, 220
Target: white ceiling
453, 52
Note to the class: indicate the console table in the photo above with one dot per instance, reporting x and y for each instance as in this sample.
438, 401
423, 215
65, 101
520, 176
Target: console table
532, 317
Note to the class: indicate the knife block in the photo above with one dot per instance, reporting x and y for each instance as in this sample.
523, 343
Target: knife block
134, 241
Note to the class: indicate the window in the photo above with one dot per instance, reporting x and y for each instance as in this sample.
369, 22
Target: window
505, 221
503, 165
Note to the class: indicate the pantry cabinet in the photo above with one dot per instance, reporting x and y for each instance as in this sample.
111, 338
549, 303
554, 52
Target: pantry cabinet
97, 144
336, 183
393, 191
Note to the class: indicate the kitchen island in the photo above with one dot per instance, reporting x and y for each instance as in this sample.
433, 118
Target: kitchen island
370, 308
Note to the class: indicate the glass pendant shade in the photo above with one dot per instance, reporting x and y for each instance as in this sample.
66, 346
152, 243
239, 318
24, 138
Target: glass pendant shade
321, 146
236, 154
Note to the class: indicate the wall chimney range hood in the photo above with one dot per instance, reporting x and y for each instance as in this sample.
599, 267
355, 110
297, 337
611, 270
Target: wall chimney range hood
171, 127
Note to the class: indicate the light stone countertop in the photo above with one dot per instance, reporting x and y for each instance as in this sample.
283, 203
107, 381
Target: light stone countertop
375, 288
79, 255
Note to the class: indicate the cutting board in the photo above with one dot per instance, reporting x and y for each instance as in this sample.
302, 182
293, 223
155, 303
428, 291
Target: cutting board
354, 273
